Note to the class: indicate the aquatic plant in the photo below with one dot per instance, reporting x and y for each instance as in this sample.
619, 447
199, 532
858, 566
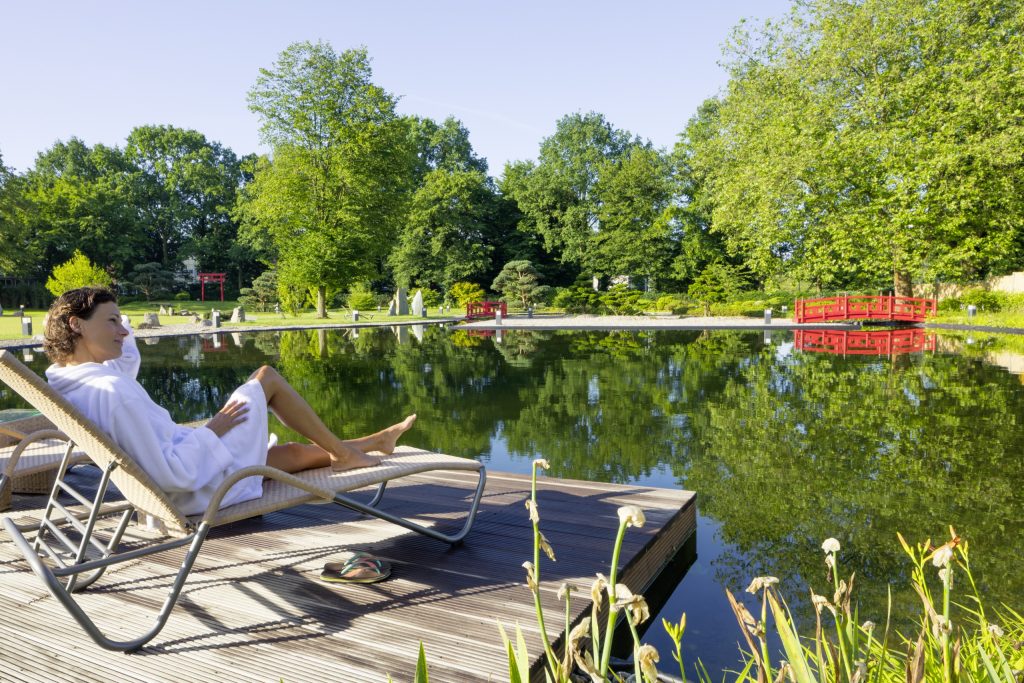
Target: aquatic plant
593, 658
952, 646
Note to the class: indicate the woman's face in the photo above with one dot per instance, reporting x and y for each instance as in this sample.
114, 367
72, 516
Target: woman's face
102, 335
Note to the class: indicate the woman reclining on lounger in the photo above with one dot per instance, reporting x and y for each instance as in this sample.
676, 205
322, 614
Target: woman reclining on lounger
95, 363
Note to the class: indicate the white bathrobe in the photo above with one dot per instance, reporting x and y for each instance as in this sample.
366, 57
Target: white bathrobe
187, 464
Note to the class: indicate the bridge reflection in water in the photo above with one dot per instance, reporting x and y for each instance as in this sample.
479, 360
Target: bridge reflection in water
880, 343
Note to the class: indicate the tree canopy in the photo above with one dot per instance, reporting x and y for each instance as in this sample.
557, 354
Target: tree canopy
337, 187
858, 145
865, 141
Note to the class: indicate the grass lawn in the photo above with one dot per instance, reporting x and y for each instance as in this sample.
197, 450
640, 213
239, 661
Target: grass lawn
10, 325
1014, 319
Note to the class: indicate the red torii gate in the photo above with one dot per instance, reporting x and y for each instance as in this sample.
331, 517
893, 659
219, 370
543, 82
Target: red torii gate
211, 277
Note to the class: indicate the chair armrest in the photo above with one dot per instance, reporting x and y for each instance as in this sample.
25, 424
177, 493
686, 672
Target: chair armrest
255, 471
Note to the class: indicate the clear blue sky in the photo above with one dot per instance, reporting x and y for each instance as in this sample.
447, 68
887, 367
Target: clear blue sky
96, 69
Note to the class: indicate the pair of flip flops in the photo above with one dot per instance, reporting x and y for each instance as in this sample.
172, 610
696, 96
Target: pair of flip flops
359, 568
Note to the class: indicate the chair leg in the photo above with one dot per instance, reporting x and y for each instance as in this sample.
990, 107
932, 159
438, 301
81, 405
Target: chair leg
57, 589
412, 526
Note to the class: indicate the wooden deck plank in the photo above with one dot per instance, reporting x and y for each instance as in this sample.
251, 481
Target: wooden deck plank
254, 608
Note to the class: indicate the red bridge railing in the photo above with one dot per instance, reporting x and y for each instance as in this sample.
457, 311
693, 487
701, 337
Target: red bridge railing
485, 309
880, 343
863, 307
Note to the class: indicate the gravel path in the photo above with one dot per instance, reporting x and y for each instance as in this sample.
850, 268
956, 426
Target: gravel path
626, 322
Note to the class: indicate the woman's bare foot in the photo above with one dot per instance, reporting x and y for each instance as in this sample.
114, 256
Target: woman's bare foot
388, 438
352, 459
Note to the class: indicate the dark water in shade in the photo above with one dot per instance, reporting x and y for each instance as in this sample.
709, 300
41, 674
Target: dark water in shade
785, 448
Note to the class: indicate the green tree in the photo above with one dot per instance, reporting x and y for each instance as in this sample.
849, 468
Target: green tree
444, 146
19, 252
873, 141
718, 282
331, 200
152, 279
636, 222
77, 272
83, 199
444, 240
360, 298
696, 244
263, 293
519, 281
463, 293
185, 187
557, 195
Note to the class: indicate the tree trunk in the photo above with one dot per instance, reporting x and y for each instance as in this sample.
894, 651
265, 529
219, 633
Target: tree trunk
901, 284
321, 301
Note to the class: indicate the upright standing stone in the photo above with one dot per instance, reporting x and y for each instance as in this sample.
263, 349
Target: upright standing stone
417, 303
149, 320
238, 315
391, 308
402, 301
163, 311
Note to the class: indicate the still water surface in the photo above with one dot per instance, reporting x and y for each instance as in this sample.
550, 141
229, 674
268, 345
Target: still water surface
785, 448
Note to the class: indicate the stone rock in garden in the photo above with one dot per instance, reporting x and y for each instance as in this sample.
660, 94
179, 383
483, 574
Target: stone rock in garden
170, 310
391, 308
402, 301
1, 310
149, 321
206, 323
417, 303
163, 311
238, 315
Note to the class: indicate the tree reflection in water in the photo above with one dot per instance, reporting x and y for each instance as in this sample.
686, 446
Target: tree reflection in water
784, 448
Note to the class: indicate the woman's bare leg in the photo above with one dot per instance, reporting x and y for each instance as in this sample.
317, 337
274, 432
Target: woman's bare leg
296, 414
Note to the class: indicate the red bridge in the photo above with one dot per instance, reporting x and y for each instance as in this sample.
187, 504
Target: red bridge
863, 307
881, 343
485, 309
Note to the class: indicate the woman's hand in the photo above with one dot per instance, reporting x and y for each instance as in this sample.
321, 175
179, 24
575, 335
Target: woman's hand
229, 417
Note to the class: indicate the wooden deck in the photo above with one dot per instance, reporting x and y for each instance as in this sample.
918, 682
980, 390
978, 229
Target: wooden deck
255, 610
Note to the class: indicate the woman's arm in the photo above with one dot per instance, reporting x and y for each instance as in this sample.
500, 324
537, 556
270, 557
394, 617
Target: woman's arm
130, 360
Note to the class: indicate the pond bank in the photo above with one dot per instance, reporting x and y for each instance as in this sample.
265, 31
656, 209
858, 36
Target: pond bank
537, 322
189, 329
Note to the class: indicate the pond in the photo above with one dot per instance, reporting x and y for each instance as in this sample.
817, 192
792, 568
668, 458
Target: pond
785, 447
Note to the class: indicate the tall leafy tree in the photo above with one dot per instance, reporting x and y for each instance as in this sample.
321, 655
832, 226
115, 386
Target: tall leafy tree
82, 199
444, 146
637, 233
185, 188
557, 195
19, 252
697, 245
869, 141
444, 240
337, 188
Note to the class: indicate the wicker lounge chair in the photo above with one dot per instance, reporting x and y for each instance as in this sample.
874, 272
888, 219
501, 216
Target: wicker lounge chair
69, 552
31, 450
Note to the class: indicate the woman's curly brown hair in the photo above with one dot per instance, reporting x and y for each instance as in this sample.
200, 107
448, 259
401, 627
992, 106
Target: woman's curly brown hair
59, 339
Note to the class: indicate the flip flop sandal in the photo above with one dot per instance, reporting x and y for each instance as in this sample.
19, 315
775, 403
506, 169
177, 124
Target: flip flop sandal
360, 568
